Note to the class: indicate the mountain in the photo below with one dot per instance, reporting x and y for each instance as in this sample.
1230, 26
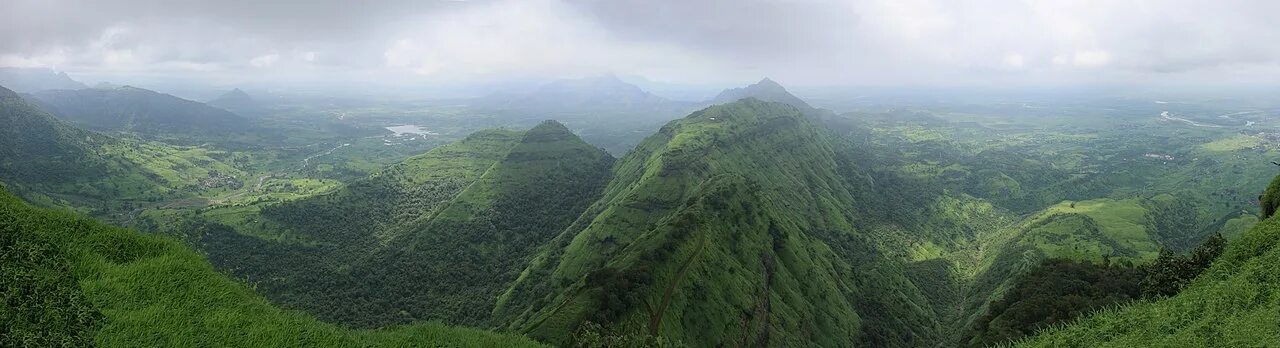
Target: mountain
53, 163
78, 282
237, 101
1230, 304
766, 90
137, 110
438, 236
603, 110
593, 93
35, 146
732, 226
28, 80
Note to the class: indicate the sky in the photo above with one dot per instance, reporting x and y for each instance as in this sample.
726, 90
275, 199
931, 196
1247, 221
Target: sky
798, 42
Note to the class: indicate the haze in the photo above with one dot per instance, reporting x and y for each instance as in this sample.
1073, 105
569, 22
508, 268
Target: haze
458, 44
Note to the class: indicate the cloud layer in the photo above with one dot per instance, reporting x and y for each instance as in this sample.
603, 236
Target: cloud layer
871, 42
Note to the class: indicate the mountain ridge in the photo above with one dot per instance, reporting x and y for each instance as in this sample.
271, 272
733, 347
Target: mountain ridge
30, 80
132, 109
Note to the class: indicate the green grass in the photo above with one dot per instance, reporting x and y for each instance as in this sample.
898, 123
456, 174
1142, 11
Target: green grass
153, 291
1090, 230
1236, 303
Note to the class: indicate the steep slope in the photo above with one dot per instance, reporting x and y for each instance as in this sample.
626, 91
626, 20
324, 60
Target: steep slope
435, 238
141, 111
71, 281
1232, 304
35, 146
28, 80
766, 90
54, 163
731, 226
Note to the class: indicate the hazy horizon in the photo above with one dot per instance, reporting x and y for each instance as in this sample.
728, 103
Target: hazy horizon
483, 45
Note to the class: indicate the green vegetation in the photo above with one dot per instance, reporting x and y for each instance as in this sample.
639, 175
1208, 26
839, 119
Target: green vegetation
373, 252
758, 222
750, 193
136, 110
1231, 304
1054, 292
54, 164
71, 281
1060, 290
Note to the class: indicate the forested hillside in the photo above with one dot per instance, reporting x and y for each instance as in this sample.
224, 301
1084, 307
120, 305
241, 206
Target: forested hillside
53, 163
435, 237
70, 281
730, 226
141, 111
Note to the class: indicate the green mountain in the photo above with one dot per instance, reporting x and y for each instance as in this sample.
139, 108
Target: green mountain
1232, 304
28, 80
436, 237
70, 281
732, 226
53, 163
137, 110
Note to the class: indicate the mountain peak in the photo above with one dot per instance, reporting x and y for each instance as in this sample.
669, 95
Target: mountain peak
235, 94
549, 130
550, 126
765, 90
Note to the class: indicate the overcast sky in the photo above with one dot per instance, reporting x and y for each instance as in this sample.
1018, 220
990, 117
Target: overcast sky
855, 42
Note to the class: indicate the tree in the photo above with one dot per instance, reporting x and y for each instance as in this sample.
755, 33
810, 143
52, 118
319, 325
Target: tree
1171, 272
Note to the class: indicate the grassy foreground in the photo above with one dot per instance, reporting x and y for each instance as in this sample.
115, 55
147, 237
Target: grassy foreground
71, 281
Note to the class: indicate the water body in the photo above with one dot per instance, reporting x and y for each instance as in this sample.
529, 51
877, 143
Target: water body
410, 130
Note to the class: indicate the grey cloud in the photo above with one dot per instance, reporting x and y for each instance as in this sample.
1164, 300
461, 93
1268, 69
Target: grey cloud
804, 41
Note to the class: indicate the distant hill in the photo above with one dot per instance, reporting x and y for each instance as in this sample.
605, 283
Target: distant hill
237, 101
603, 110
54, 163
604, 92
28, 80
72, 281
766, 90
35, 147
137, 110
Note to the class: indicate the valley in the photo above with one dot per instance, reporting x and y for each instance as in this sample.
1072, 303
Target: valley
885, 224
